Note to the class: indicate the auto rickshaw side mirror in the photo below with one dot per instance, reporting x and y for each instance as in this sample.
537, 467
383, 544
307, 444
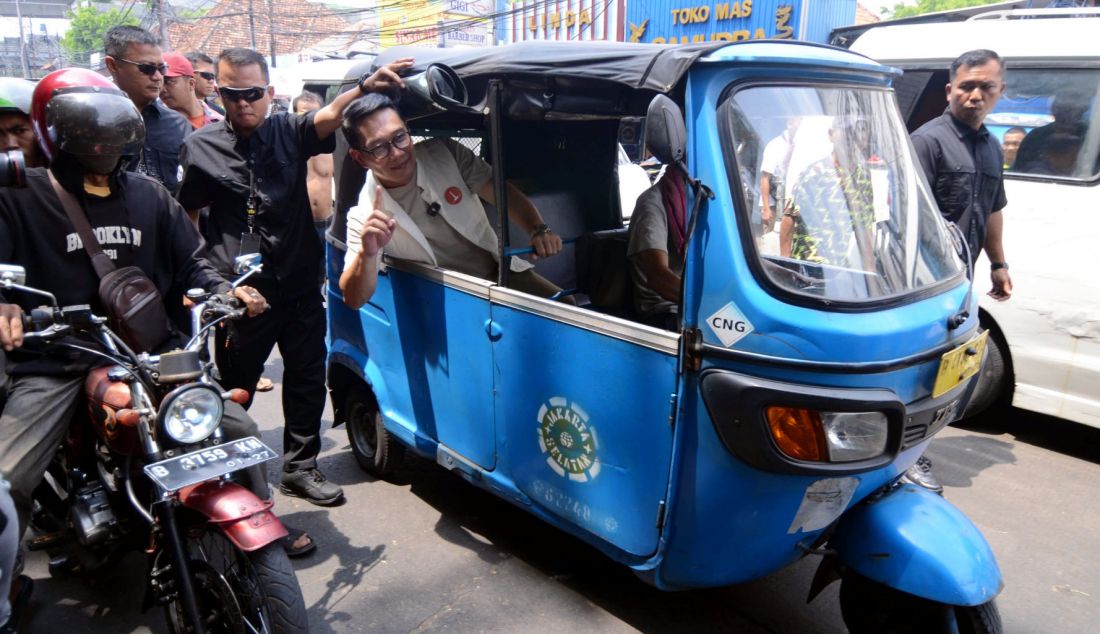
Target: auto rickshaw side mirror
437, 88
665, 133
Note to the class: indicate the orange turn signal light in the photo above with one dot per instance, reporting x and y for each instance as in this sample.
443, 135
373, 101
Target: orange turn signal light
798, 432
239, 396
128, 417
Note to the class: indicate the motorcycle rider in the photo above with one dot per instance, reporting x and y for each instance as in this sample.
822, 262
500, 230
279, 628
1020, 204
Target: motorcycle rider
87, 129
15, 119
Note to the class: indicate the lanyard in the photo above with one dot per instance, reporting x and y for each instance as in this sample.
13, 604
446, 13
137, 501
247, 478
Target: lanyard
250, 204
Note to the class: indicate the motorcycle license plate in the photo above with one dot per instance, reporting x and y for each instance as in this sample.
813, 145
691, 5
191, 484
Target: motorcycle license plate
198, 466
960, 364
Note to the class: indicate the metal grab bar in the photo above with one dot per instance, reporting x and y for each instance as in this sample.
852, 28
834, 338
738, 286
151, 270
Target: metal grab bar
526, 250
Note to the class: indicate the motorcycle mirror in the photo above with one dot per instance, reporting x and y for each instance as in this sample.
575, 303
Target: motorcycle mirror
12, 275
245, 263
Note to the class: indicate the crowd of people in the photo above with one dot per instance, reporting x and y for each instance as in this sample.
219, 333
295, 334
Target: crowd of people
195, 161
177, 161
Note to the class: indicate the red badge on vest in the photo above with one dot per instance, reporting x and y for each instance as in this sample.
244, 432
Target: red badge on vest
453, 195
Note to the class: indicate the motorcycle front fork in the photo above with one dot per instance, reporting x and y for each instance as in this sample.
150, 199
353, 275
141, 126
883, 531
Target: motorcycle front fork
176, 547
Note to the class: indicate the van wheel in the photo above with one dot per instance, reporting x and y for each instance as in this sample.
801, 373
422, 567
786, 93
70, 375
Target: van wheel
869, 607
993, 381
376, 449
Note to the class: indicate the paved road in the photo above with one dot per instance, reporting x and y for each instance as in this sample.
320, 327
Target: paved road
430, 553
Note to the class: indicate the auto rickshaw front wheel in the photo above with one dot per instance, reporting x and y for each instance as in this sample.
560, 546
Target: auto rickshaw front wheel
375, 448
871, 607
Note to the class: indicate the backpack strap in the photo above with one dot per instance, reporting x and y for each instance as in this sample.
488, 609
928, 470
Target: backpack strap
100, 261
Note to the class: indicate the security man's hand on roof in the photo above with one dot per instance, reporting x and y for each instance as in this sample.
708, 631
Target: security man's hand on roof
386, 77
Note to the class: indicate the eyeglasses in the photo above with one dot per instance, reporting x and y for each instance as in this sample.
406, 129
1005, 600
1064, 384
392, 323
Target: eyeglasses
254, 93
205, 74
147, 68
401, 141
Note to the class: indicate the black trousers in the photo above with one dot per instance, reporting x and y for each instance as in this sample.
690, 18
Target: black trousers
297, 326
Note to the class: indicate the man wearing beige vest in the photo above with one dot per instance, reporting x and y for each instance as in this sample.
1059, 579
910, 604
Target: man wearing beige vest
423, 203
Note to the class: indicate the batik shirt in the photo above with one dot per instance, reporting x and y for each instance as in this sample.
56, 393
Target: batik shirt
829, 204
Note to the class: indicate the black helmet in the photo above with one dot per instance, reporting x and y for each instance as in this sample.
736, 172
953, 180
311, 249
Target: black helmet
82, 114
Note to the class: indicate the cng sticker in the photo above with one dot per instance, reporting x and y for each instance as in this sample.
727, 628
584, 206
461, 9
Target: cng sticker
567, 440
729, 324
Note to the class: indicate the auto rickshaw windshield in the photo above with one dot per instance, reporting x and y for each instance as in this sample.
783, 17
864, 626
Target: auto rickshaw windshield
832, 191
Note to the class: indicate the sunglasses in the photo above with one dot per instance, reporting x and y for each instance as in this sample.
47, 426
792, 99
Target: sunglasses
147, 68
255, 93
207, 75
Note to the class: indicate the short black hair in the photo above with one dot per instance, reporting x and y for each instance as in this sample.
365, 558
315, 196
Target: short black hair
1016, 130
358, 111
198, 57
117, 39
307, 95
976, 57
238, 57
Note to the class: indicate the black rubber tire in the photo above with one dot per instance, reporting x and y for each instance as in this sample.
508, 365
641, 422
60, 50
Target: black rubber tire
226, 578
872, 608
376, 450
993, 382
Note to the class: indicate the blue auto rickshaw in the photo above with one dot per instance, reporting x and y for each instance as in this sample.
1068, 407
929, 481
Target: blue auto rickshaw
812, 365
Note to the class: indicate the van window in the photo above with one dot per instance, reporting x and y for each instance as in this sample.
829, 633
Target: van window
1047, 122
853, 220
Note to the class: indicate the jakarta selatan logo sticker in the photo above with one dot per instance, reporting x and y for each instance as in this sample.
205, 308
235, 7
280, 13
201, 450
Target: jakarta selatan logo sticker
568, 440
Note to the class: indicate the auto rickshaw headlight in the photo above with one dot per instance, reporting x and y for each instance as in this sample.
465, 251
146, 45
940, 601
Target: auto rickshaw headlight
815, 436
854, 436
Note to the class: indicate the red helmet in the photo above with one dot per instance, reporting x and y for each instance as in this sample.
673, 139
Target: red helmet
81, 113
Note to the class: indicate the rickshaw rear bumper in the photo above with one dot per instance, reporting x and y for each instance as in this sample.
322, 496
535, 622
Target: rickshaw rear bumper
915, 541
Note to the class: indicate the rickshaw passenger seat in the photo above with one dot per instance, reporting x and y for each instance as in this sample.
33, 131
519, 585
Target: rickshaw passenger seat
561, 210
603, 273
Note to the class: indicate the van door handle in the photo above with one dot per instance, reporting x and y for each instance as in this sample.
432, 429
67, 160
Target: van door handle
493, 329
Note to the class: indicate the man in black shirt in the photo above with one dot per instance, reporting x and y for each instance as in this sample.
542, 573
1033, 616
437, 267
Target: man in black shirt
136, 63
250, 169
964, 165
86, 136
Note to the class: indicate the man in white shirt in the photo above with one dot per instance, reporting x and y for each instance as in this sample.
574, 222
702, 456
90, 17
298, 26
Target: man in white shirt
773, 174
424, 203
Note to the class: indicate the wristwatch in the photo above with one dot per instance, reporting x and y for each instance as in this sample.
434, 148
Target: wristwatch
362, 81
996, 266
540, 229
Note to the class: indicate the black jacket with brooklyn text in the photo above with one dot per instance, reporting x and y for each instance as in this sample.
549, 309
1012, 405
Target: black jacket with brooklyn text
142, 226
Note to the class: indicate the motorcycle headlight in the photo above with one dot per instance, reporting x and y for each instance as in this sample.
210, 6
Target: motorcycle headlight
816, 436
192, 414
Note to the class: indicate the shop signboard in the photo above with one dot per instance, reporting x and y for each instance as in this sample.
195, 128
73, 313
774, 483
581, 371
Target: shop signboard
433, 23
688, 21
523, 20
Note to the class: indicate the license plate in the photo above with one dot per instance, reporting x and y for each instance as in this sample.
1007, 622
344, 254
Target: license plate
960, 364
198, 466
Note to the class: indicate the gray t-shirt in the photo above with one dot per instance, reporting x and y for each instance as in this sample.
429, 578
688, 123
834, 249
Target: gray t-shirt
452, 250
649, 231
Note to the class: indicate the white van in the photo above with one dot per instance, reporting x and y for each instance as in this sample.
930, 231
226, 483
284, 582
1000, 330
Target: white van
1045, 352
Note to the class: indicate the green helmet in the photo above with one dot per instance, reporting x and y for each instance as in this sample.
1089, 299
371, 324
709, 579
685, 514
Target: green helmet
15, 95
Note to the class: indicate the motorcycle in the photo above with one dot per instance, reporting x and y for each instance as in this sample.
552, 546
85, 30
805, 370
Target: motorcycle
150, 468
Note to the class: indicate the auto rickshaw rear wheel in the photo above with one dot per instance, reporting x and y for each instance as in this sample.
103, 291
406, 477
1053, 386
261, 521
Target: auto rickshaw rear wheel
375, 448
871, 607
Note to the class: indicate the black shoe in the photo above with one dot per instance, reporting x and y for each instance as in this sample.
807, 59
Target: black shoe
311, 485
921, 475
